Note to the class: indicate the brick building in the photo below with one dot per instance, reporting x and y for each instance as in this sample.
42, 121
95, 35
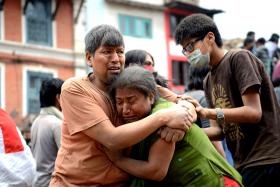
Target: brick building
36, 42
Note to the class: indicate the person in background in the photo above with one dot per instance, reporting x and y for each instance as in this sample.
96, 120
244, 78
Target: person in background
191, 162
262, 53
251, 34
276, 84
46, 131
248, 44
276, 71
241, 99
146, 60
272, 44
91, 125
17, 165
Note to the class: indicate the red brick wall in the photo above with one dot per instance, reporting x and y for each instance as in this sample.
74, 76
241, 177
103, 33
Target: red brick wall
13, 89
64, 25
12, 20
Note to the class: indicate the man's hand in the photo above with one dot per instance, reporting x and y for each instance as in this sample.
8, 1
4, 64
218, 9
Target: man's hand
190, 107
202, 112
178, 117
169, 134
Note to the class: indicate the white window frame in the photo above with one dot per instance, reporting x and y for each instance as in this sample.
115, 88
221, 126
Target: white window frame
2, 30
24, 82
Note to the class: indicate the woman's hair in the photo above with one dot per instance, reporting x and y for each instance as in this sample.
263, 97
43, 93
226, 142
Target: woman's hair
136, 56
197, 75
197, 26
138, 78
102, 35
48, 91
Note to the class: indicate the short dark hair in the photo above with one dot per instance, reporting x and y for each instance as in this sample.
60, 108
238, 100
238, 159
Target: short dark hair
248, 40
136, 56
261, 41
135, 77
102, 35
250, 34
197, 26
274, 38
48, 91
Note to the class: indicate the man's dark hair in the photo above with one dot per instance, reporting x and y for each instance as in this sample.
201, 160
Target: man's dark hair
135, 77
274, 38
48, 91
197, 26
102, 35
261, 41
251, 34
248, 41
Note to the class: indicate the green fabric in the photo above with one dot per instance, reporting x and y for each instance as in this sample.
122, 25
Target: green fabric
195, 162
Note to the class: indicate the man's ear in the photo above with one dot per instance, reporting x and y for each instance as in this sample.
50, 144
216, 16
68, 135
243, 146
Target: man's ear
211, 36
88, 59
57, 101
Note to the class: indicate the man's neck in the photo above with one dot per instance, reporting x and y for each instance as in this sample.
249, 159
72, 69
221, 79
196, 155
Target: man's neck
217, 57
98, 83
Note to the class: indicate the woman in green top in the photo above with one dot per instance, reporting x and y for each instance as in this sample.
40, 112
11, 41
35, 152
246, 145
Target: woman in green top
192, 162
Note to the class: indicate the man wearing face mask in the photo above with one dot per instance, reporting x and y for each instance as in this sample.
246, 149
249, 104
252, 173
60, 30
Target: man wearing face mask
241, 100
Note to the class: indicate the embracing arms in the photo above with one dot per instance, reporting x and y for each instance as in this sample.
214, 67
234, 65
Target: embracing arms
155, 168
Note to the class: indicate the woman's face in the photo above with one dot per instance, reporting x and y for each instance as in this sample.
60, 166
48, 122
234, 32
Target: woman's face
149, 61
132, 105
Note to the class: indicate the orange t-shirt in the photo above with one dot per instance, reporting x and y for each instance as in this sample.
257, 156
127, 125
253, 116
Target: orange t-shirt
81, 160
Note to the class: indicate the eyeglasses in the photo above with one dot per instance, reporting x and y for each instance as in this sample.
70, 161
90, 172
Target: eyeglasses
190, 47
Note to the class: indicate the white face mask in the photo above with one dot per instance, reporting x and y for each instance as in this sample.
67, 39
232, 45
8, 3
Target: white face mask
196, 58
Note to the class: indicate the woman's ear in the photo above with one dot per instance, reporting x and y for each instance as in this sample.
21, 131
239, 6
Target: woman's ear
151, 98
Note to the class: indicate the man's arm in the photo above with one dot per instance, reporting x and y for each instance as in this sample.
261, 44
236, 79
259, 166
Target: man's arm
251, 112
129, 134
155, 168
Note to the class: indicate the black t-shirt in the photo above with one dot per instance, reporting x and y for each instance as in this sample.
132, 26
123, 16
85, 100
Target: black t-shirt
250, 144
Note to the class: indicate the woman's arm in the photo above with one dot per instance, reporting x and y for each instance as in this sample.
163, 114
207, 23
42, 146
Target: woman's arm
155, 168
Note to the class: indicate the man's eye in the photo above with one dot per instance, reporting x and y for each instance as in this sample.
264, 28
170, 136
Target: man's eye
107, 52
120, 52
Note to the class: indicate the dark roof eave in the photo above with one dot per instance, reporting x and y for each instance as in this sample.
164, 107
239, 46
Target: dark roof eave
193, 8
137, 4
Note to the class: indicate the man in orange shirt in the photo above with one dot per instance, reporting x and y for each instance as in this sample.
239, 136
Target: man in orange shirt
90, 122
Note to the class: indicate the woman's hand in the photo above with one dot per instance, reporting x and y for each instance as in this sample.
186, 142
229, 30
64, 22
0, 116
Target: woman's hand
171, 135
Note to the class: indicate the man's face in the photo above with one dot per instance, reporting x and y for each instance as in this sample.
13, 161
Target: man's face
107, 62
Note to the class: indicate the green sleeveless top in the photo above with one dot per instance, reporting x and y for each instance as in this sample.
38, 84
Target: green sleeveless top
195, 162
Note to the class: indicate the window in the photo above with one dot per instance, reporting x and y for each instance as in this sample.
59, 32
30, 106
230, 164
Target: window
34, 81
174, 21
135, 26
39, 22
180, 72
